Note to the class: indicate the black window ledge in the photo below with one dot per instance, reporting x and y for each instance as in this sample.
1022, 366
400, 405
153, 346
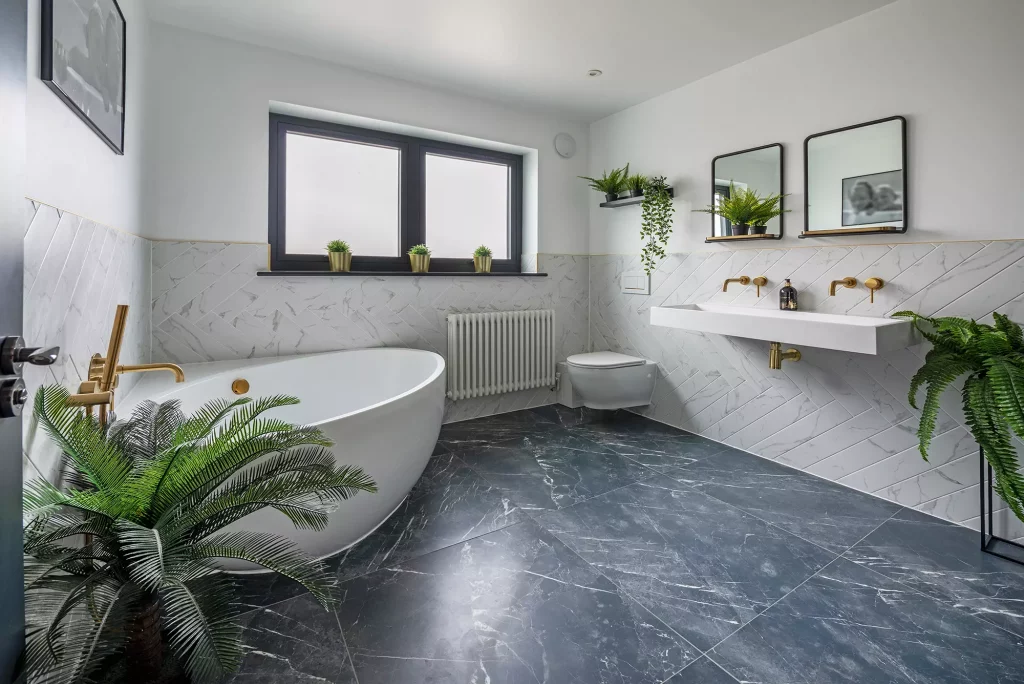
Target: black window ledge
429, 274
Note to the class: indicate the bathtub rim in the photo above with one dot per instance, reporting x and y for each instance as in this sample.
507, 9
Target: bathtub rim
156, 388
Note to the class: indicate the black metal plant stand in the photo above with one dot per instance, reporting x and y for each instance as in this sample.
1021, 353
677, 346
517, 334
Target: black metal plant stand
990, 543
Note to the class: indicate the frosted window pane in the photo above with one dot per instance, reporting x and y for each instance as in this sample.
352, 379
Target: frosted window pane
467, 206
339, 190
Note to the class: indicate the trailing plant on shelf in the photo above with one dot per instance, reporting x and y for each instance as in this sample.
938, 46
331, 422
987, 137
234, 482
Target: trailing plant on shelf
655, 222
992, 358
337, 246
122, 562
612, 183
635, 184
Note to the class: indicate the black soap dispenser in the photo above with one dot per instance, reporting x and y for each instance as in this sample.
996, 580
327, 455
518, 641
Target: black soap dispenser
787, 297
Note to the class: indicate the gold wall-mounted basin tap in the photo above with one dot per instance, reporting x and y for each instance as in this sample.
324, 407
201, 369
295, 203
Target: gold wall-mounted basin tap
845, 282
742, 280
874, 284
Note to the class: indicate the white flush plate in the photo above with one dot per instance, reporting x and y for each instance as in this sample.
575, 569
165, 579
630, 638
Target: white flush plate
635, 282
860, 334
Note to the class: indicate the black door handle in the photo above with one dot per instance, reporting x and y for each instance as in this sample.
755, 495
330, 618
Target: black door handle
37, 356
13, 353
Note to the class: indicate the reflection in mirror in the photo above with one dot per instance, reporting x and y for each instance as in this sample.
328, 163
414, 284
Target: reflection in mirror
758, 170
856, 178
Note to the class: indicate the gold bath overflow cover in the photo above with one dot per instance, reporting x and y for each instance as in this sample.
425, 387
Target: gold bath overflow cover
240, 386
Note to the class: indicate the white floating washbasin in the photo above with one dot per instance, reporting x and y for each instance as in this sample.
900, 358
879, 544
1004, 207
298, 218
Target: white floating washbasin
860, 334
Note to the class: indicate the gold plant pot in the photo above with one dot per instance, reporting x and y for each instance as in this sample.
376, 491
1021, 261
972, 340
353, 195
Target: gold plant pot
482, 264
420, 262
340, 261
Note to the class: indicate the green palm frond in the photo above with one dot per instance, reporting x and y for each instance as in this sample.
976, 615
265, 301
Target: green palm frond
150, 498
992, 359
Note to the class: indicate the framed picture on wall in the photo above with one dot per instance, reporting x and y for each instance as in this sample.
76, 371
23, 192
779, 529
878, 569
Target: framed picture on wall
874, 198
83, 62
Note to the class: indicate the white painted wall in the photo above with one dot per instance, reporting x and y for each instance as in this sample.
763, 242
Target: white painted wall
953, 68
207, 171
69, 166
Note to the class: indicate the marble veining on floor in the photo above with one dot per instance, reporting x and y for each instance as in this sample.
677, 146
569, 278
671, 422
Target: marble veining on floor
570, 547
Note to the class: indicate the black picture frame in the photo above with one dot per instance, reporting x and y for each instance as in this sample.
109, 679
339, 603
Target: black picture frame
864, 178
412, 229
47, 73
839, 232
782, 191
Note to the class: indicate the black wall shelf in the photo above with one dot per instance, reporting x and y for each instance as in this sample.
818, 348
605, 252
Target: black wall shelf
430, 274
629, 201
733, 238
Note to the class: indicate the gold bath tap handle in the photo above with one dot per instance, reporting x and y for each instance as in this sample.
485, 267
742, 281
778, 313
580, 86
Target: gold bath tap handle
874, 284
760, 281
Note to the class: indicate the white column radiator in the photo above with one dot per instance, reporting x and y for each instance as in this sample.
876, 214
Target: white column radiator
505, 351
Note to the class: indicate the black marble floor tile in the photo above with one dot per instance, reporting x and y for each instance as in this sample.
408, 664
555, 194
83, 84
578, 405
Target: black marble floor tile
449, 504
571, 417
848, 624
810, 507
552, 469
702, 566
703, 671
645, 441
294, 642
945, 561
456, 437
511, 607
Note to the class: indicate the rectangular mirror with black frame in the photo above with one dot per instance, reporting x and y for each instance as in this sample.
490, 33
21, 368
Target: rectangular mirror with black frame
756, 175
855, 179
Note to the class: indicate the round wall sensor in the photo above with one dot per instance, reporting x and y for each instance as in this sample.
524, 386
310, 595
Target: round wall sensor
594, 72
565, 145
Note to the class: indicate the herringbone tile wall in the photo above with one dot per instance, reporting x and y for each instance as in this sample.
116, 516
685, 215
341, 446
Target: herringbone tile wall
76, 273
841, 416
208, 305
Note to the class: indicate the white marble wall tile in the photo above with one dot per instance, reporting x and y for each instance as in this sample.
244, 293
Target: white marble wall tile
76, 273
841, 416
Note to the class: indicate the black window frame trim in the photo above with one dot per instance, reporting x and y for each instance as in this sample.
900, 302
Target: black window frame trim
412, 189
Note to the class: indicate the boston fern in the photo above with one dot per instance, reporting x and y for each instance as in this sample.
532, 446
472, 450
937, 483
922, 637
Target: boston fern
655, 222
125, 557
992, 357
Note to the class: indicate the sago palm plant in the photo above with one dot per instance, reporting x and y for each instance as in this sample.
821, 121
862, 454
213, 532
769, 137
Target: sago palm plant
123, 561
992, 358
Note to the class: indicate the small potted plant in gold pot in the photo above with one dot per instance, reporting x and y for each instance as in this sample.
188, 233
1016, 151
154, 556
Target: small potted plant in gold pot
482, 259
419, 258
339, 255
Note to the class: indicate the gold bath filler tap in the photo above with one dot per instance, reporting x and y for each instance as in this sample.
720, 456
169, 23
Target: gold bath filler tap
98, 390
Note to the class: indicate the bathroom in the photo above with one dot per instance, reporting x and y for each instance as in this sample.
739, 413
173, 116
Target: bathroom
627, 441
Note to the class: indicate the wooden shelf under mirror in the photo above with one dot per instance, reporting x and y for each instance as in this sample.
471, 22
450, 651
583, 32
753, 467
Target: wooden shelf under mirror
837, 232
730, 238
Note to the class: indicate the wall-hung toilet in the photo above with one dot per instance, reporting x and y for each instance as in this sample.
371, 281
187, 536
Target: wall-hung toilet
609, 380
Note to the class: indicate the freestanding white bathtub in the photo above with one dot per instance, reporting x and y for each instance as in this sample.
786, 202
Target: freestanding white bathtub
382, 408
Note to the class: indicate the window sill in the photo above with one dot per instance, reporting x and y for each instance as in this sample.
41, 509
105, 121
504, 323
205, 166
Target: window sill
451, 274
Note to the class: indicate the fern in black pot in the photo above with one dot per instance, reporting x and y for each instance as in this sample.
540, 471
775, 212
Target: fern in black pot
992, 358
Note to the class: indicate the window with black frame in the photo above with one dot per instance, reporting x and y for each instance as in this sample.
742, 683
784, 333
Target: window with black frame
382, 193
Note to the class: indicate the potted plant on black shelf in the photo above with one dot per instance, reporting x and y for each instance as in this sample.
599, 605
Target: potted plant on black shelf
992, 358
120, 565
419, 258
612, 183
635, 184
339, 255
482, 259
767, 208
739, 208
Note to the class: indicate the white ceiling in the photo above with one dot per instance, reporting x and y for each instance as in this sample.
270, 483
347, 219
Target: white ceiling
532, 53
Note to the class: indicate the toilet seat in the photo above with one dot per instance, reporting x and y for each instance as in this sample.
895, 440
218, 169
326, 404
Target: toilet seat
604, 359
